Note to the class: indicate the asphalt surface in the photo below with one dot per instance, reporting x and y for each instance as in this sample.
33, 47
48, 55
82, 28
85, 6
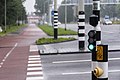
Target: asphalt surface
20, 60
110, 33
15, 54
76, 66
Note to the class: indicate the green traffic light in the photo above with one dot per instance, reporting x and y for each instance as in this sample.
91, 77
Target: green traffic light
91, 47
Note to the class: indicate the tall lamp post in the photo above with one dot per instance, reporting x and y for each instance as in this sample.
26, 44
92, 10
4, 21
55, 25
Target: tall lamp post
65, 14
5, 15
44, 11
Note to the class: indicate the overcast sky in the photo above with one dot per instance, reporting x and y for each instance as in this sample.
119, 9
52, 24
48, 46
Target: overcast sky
29, 5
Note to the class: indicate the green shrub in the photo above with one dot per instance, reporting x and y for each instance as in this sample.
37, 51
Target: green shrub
52, 40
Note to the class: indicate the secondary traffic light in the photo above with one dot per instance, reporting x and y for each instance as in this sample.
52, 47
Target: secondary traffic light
93, 20
92, 40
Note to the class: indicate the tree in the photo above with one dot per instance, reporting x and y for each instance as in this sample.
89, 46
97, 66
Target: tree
109, 10
15, 10
2, 2
88, 12
118, 10
41, 6
61, 12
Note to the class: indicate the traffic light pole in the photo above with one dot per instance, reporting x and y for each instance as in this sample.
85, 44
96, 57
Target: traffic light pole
96, 11
99, 53
92, 41
55, 20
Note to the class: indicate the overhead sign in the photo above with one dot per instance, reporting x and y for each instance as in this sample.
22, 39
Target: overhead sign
99, 52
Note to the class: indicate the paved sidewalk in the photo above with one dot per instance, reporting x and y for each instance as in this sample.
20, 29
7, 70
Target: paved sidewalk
72, 46
59, 48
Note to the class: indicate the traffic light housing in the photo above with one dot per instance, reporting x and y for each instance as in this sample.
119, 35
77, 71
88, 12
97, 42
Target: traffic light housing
93, 20
92, 40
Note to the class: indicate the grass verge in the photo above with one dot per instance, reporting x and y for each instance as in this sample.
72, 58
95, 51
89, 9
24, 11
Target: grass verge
52, 40
11, 29
49, 30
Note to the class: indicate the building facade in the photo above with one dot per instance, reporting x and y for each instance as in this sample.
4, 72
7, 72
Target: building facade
33, 19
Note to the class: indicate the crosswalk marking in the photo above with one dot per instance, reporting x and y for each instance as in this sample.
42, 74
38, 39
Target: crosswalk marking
33, 65
35, 78
34, 58
34, 69
35, 73
34, 61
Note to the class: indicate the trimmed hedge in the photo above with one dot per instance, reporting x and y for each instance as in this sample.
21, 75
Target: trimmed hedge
52, 40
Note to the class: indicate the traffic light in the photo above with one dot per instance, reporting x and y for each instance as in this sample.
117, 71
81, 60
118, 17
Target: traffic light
92, 40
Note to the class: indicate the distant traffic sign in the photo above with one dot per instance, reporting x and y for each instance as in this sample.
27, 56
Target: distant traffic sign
52, 13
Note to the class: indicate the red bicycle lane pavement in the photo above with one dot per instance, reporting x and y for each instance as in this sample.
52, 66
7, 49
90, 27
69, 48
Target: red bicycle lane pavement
15, 51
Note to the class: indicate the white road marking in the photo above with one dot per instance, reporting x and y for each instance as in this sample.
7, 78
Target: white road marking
34, 61
108, 32
34, 68
35, 73
8, 55
60, 62
33, 48
111, 59
35, 78
82, 73
33, 65
112, 71
34, 58
76, 73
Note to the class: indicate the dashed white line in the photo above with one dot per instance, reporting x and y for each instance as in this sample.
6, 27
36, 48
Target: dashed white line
82, 73
76, 73
60, 62
112, 71
108, 32
8, 55
111, 59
